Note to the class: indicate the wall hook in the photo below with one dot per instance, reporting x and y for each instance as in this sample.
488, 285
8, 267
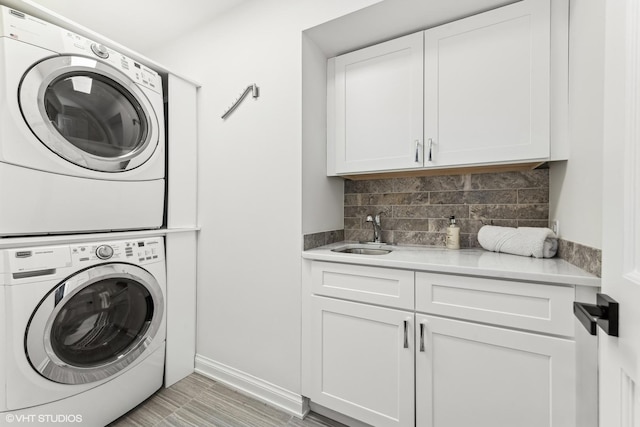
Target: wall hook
255, 92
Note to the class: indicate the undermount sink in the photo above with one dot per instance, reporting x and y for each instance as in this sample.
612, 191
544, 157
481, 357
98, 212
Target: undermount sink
362, 250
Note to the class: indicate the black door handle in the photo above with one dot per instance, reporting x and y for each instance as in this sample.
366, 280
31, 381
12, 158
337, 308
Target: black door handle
603, 314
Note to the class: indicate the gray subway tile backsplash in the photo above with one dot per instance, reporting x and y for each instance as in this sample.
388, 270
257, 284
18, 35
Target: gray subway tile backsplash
415, 210
322, 238
533, 195
538, 178
585, 257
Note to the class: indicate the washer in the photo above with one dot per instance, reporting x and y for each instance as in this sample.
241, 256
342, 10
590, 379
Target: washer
82, 133
83, 327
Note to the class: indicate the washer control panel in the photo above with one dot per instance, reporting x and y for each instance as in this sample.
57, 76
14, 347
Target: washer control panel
44, 259
29, 264
138, 251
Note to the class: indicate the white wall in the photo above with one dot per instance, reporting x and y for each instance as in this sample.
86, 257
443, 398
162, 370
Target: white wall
322, 196
138, 25
250, 198
576, 185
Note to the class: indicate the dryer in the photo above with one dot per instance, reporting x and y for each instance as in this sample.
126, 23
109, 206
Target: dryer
83, 328
82, 133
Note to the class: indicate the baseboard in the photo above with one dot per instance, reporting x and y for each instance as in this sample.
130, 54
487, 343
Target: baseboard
264, 391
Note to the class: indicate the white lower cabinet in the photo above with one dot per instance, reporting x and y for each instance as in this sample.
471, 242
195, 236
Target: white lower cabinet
472, 352
362, 361
476, 375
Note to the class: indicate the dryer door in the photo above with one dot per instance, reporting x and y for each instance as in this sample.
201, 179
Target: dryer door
89, 113
95, 324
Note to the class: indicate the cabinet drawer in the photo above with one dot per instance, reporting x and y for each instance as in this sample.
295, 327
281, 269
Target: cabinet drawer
383, 286
529, 306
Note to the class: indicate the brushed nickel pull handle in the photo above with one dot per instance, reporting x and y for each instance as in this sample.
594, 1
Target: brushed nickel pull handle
421, 336
417, 160
430, 157
406, 334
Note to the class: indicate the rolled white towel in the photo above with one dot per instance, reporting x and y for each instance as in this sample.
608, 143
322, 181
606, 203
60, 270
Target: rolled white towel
526, 241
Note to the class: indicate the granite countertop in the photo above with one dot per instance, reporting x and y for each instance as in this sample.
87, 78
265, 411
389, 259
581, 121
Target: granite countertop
475, 262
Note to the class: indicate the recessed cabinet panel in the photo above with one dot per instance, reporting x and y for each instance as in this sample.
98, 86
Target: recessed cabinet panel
482, 376
383, 286
378, 107
487, 87
361, 367
535, 307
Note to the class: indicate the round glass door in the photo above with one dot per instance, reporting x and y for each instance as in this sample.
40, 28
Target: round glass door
96, 115
89, 113
101, 322
94, 324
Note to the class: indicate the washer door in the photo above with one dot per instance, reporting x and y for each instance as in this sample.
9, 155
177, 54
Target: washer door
94, 324
89, 113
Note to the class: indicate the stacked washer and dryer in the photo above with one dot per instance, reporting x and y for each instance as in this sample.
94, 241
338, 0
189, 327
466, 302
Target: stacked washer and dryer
82, 150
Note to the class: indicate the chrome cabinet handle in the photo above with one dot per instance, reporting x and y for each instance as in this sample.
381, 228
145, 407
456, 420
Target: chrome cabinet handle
406, 334
430, 157
421, 336
417, 160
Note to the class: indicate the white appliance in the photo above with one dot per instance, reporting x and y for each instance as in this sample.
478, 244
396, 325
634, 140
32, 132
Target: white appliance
82, 139
83, 329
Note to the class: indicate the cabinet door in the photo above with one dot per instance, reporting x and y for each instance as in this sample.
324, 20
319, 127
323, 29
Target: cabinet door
475, 375
487, 87
378, 107
362, 361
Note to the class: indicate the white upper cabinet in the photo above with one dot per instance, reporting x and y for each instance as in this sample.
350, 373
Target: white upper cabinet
378, 107
487, 87
473, 92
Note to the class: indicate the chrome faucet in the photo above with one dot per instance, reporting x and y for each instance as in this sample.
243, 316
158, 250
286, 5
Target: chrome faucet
377, 229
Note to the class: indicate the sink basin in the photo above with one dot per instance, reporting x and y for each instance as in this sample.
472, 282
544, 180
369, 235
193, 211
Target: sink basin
362, 250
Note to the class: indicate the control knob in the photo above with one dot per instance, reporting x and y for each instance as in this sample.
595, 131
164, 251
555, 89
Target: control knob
100, 50
104, 252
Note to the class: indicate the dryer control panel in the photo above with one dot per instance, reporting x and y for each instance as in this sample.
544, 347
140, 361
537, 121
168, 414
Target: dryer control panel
28, 29
142, 75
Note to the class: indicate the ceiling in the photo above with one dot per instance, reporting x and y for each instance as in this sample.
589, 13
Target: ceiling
141, 25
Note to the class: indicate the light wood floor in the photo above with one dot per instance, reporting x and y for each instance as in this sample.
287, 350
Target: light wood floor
201, 402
